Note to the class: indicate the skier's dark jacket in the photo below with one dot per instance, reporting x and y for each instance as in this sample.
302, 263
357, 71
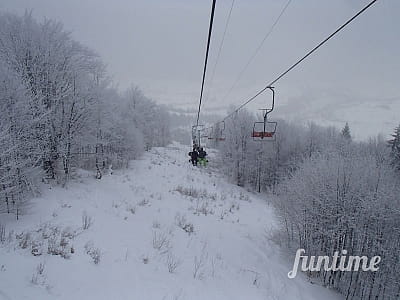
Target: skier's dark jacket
194, 155
202, 154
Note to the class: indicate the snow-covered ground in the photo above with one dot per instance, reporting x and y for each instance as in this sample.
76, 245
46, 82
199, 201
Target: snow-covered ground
161, 229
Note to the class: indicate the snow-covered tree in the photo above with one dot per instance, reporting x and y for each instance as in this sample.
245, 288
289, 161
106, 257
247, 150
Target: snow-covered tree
394, 144
332, 195
335, 202
20, 154
346, 132
60, 112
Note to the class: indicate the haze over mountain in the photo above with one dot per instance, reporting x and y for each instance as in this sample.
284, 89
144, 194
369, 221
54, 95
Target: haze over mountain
159, 45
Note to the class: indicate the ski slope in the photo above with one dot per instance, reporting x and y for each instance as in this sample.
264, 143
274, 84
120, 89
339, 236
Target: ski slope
162, 229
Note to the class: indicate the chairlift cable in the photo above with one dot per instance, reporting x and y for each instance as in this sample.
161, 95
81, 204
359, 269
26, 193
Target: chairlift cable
222, 43
206, 58
301, 60
257, 50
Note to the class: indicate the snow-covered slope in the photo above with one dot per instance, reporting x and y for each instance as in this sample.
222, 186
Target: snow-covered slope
162, 229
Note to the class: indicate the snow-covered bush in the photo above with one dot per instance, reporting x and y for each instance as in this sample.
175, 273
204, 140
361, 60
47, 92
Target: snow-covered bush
200, 262
173, 262
87, 221
161, 241
50, 239
93, 252
156, 224
2, 233
189, 191
143, 202
202, 207
38, 277
182, 222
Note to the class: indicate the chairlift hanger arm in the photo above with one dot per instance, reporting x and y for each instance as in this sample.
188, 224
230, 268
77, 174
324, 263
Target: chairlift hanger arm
273, 100
268, 110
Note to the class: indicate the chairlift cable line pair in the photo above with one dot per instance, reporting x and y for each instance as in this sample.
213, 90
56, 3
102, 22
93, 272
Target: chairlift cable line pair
206, 59
270, 85
257, 49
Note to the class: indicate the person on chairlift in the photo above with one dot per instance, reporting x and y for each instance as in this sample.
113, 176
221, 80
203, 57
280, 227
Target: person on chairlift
202, 157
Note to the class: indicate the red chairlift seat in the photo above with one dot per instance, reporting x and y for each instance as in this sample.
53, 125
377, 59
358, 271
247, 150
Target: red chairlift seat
261, 132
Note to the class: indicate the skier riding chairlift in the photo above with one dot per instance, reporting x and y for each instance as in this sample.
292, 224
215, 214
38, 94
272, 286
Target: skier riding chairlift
202, 157
194, 155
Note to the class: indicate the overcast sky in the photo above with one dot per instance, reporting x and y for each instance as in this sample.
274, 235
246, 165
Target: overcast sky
159, 45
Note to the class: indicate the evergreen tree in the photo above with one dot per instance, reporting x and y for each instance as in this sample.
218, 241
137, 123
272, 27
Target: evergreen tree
346, 132
394, 144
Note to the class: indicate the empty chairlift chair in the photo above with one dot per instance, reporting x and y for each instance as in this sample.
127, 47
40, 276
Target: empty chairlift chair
197, 134
220, 131
210, 133
265, 130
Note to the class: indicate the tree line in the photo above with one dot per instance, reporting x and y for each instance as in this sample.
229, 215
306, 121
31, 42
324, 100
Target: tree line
60, 111
331, 193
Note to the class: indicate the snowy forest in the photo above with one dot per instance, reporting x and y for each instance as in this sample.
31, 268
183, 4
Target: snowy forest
60, 111
330, 192
104, 184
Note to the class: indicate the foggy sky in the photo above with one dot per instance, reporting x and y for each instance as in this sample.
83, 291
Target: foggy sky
159, 45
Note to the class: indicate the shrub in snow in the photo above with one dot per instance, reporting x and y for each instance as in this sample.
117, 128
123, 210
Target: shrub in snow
47, 239
215, 262
200, 262
202, 207
131, 209
143, 202
222, 214
156, 224
2, 233
191, 192
212, 196
145, 260
38, 276
87, 220
233, 206
36, 248
93, 252
180, 221
95, 255
58, 245
173, 262
244, 197
24, 239
161, 242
